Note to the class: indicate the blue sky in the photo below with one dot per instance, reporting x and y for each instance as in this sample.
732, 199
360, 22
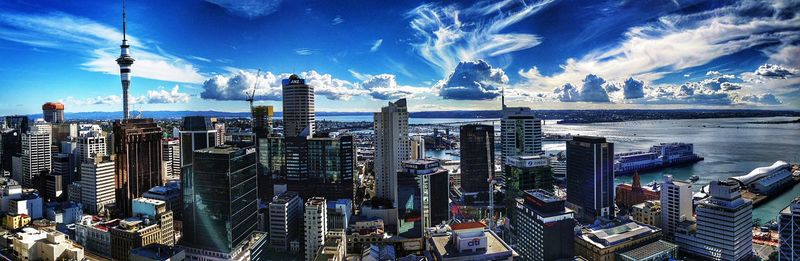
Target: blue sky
205, 55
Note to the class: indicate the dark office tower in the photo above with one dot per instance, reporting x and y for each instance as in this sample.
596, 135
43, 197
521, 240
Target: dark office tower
53, 112
590, 177
330, 168
296, 158
789, 229
196, 133
137, 146
262, 120
18, 122
422, 194
223, 202
272, 163
298, 107
545, 229
477, 158
11, 144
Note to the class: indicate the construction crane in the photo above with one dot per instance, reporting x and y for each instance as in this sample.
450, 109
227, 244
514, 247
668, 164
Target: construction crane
253, 93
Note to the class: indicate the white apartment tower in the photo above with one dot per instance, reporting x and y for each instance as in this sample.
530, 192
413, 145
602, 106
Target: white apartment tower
91, 143
417, 147
36, 152
298, 107
724, 225
392, 147
97, 183
316, 225
676, 205
171, 155
521, 133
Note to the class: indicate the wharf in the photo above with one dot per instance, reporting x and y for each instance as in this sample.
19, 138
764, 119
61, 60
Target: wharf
759, 199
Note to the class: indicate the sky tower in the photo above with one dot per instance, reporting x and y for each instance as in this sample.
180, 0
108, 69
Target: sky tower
125, 61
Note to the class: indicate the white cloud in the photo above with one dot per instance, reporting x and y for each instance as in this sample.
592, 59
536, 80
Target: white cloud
592, 90
248, 8
472, 81
786, 55
239, 85
337, 20
385, 87
303, 51
164, 96
98, 41
376, 45
776, 71
450, 34
676, 42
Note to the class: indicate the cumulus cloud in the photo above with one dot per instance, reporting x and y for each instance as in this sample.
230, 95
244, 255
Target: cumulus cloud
717, 90
160, 95
592, 90
451, 34
776, 71
385, 87
163, 96
472, 81
763, 99
97, 41
248, 8
239, 85
633, 89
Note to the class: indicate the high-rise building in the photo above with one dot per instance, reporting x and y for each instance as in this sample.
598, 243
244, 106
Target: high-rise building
90, 144
316, 225
36, 153
298, 107
530, 172
520, 133
137, 147
63, 165
724, 225
53, 112
171, 155
423, 196
272, 161
330, 167
477, 159
417, 147
544, 228
223, 186
285, 216
391, 148
97, 184
339, 213
789, 229
676, 205
54, 186
590, 177
171, 194
10, 145
221, 132
17, 122
262, 119
195, 133
125, 61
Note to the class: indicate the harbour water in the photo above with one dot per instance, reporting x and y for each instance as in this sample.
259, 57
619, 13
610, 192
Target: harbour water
731, 147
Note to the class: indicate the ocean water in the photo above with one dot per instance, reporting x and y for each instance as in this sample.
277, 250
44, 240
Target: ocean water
731, 147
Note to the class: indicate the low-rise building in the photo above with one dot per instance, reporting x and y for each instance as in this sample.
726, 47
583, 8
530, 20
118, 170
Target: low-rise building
335, 247
605, 244
467, 241
17, 221
657, 251
648, 213
64, 212
32, 244
628, 195
92, 232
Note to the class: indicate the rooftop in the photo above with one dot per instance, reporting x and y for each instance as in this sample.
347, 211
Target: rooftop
608, 237
156, 252
468, 225
590, 139
496, 249
649, 251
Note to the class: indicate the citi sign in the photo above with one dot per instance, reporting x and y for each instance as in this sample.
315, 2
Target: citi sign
475, 242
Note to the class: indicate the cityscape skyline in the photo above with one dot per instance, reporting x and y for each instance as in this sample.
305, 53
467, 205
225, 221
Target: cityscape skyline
694, 54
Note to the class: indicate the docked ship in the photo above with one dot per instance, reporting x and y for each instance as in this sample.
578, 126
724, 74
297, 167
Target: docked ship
658, 157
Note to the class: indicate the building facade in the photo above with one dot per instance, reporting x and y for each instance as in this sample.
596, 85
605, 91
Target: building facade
224, 186
392, 146
36, 153
676, 205
137, 147
285, 214
520, 133
590, 177
298, 107
544, 228
316, 225
477, 159
53, 112
97, 184
789, 229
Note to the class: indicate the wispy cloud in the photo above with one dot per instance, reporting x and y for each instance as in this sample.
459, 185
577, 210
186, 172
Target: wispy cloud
303, 51
451, 34
98, 41
202, 59
249, 9
376, 45
337, 20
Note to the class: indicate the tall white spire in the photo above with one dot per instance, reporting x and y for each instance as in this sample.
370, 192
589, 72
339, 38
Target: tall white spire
125, 61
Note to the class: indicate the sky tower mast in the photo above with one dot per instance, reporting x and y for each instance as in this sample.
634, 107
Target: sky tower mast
125, 61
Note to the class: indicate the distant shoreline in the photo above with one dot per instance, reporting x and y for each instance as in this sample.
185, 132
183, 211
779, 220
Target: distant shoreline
775, 122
